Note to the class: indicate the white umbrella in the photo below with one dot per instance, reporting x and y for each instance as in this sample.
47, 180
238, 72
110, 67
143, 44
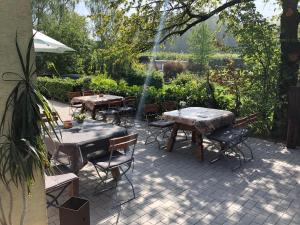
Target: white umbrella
44, 43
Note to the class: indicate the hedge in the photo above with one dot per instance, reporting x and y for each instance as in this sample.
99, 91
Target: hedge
190, 90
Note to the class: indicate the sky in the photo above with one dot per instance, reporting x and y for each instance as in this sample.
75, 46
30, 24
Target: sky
268, 9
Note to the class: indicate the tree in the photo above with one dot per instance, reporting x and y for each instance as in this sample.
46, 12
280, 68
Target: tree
182, 15
259, 47
289, 66
41, 9
73, 31
201, 42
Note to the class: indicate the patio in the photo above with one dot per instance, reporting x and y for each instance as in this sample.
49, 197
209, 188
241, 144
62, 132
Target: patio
175, 188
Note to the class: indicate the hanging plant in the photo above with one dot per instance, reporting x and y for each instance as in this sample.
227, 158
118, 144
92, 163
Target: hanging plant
22, 150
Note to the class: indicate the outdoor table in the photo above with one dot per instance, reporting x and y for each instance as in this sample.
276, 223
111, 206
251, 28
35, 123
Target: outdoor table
89, 138
95, 102
199, 120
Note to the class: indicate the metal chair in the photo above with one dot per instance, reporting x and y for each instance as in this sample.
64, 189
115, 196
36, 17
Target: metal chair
74, 106
155, 125
129, 106
170, 106
112, 110
121, 154
229, 138
88, 93
58, 177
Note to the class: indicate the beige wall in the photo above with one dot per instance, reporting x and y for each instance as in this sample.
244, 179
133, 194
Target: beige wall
16, 15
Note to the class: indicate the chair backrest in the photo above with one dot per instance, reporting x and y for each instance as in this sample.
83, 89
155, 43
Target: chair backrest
123, 143
88, 93
245, 121
73, 94
130, 101
151, 111
115, 103
126, 143
169, 106
54, 115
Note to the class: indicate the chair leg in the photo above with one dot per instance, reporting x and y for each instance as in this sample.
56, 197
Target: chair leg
250, 150
102, 182
55, 198
132, 187
239, 158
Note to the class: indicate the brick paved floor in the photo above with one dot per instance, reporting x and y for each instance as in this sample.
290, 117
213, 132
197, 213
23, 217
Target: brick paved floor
175, 188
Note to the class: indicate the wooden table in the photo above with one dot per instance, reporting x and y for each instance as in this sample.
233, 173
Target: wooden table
199, 120
95, 102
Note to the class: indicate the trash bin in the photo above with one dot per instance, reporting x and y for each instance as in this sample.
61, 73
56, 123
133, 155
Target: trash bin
75, 211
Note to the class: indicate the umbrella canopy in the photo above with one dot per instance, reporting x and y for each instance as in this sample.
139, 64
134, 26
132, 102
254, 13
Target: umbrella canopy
44, 43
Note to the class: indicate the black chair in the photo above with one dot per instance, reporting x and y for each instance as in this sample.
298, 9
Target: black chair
58, 176
74, 106
128, 108
120, 159
88, 93
155, 126
112, 110
229, 138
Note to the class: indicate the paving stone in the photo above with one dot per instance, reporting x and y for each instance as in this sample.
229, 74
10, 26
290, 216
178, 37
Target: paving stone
175, 188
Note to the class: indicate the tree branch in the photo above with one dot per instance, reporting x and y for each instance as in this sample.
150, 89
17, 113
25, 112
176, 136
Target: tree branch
202, 17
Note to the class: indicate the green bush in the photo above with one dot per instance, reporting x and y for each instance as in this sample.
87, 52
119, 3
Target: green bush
139, 73
187, 87
56, 88
171, 69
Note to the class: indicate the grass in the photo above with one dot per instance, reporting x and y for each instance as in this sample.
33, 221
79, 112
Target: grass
187, 56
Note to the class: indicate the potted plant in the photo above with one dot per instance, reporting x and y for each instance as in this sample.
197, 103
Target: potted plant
79, 117
22, 150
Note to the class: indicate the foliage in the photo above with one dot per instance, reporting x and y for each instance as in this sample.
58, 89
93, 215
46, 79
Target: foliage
71, 30
79, 117
180, 89
56, 88
22, 150
201, 42
41, 9
187, 56
171, 69
259, 48
139, 73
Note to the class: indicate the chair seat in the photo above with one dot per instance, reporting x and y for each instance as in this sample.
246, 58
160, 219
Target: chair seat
117, 159
229, 136
110, 112
52, 183
76, 105
161, 123
126, 109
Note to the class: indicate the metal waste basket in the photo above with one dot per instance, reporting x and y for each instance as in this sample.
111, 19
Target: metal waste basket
75, 211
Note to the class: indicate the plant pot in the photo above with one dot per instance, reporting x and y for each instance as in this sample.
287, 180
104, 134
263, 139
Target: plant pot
75, 211
68, 124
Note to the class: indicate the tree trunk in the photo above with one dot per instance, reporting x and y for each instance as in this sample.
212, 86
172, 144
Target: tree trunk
288, 74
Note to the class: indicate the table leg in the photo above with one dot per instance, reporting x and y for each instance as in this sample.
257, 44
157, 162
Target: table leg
172, 138
74, 188
199, 147
94, 113
194, 136
115, 172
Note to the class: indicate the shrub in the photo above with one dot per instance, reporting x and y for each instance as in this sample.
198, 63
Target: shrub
56, 88
139, 73
103, 84
185, 78
171, 69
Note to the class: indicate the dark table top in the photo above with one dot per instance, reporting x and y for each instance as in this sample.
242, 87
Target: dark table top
89, 138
